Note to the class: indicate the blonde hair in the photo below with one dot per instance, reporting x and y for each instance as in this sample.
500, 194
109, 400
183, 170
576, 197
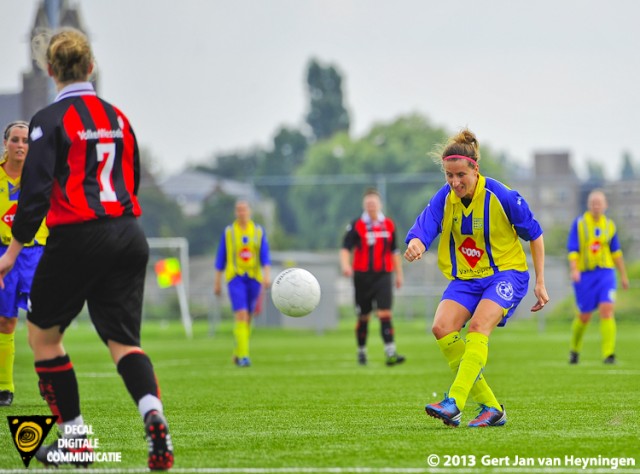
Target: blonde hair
67, 51
7, 134
464, 143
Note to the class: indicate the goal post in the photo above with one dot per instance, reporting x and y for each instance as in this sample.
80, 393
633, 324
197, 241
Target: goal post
180, 247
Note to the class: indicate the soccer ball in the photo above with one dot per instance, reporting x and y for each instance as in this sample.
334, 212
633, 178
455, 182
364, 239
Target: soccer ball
295, 292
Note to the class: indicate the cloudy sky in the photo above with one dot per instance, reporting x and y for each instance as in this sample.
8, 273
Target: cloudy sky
201, 77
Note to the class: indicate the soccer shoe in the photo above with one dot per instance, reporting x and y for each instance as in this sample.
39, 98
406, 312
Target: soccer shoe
362, 358
159, 440
243, 362
395, 359
446, 410
610, 360
73, 452
573, 357
6, 398
489, 416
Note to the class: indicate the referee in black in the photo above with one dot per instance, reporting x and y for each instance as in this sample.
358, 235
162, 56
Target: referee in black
83, 173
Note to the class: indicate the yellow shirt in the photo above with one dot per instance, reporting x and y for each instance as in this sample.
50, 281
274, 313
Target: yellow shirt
9, 195
593, 244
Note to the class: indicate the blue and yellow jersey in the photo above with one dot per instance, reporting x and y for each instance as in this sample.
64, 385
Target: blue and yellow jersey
9, 195
243, 251
481, 239
593, 244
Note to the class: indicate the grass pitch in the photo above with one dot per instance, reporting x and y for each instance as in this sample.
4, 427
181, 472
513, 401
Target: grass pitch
306, 406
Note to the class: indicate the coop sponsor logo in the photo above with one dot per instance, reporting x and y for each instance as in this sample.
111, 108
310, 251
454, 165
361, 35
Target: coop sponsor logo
245, 254
471, 253
8, 216
595, 246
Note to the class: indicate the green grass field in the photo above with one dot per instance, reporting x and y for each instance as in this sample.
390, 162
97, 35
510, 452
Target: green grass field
306, 406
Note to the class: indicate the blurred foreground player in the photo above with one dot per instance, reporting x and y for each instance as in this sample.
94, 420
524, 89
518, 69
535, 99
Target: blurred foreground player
83, 173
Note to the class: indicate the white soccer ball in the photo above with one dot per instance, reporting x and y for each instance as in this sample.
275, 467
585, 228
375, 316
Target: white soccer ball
295, 292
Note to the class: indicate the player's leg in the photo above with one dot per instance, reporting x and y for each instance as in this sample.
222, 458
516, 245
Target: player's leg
606, 299
7, 358
364, 305
579, 326
452, 345
384, 300
8, 322
449, 319
114, 298
587, 296
608, 332
238, 290
486, 317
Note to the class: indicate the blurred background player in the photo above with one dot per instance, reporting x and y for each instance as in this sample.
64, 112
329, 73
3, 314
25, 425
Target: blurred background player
18, 282
243, 256
83, 173
594, 252
480, 221
372, 238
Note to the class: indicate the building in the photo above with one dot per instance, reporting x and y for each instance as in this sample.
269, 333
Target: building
552, 189
38, 89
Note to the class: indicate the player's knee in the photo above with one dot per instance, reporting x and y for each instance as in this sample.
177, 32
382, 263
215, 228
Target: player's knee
8, 325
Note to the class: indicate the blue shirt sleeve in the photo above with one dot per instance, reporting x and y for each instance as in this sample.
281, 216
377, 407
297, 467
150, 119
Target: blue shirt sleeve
221, 257
573, 245
516, 209
614, 245
265, 258
428, 224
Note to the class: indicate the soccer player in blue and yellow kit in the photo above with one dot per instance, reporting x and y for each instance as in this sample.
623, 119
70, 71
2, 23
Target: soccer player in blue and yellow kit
594, 251
17, 283
480, 221
243, 257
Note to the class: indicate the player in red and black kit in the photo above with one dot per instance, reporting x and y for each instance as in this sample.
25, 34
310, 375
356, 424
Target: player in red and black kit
83, 173
372, 238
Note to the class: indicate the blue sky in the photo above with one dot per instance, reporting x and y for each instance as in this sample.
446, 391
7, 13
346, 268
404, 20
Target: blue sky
198, 78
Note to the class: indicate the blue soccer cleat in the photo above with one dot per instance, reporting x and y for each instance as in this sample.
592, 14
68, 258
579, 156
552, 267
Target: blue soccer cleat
489, 416
243, 362
446, 410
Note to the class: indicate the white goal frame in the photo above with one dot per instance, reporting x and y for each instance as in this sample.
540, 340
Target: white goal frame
182, 245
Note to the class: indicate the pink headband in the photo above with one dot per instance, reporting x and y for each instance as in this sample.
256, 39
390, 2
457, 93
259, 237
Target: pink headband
460, 157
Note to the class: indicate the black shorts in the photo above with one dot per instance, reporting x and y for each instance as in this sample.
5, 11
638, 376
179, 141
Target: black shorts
370, 287
102, 263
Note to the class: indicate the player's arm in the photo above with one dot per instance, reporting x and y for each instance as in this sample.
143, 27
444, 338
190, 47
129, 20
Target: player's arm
573, 250
265, 261
348, 243
220, 264
537, 255
9, 259
397, 260
37, 180
618, 261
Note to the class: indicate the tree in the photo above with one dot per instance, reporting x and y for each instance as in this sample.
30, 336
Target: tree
289, 148
628, 171
327, 114
595, 173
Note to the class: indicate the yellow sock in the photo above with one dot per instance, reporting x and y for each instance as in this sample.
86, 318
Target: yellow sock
241, 332
452, 347
578, 329
608, 332
7, 356
473, 361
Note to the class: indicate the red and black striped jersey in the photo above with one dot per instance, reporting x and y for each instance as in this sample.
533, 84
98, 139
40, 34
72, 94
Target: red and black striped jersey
83, 164
373, 244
